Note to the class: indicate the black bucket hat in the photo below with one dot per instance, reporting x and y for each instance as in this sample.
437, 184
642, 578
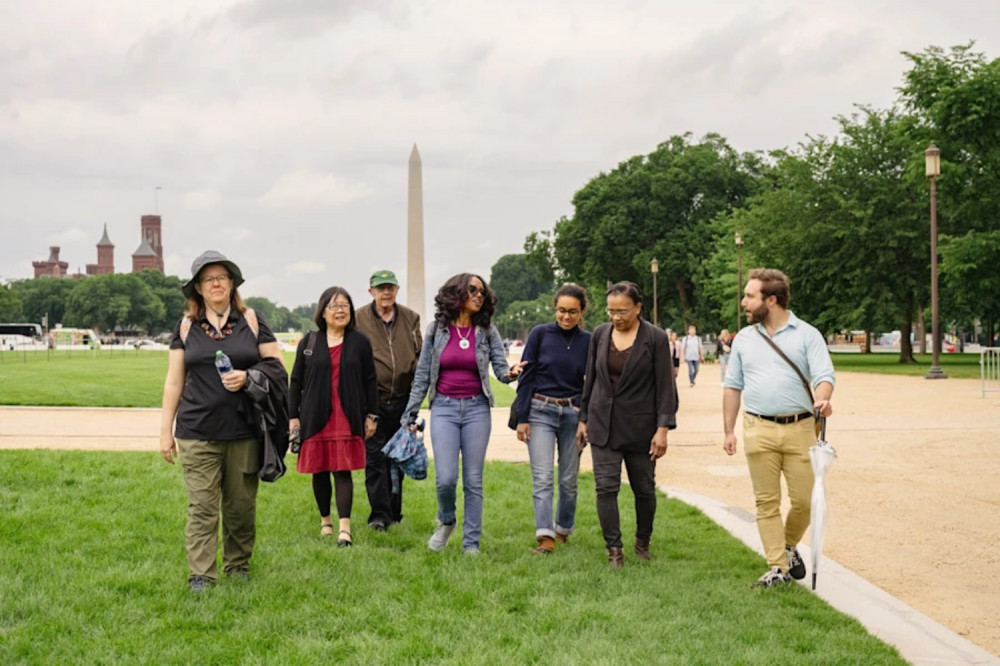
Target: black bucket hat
208, 258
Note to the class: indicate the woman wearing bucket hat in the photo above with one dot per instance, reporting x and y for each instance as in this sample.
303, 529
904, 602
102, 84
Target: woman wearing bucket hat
213, 437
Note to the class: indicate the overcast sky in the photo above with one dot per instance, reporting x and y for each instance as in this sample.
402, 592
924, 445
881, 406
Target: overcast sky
280, 130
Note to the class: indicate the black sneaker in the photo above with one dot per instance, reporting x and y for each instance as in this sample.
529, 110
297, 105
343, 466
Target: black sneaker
378, 526
796, 567
772, 578
199, 584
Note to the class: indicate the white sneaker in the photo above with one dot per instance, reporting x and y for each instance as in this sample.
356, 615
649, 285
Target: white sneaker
775, 576
440, 537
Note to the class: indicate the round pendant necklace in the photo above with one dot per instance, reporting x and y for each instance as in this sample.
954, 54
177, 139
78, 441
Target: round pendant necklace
571, 338
463, 342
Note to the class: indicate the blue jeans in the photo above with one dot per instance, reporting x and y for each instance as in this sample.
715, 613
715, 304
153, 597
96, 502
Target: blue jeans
553, 427
723, 366
692, 371
460, 426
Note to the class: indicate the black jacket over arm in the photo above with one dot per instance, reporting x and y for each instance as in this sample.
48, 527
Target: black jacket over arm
645, 398
309, 393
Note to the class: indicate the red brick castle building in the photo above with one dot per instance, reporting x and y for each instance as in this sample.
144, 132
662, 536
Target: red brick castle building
149, 254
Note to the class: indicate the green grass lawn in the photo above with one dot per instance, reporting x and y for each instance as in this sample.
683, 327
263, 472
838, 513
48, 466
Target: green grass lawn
118, 378
92, 570
129, 378
954, 365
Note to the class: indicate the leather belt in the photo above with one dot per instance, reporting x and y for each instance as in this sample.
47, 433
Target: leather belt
784, 420
561, 402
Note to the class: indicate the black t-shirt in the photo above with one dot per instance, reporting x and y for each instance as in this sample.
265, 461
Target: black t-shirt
207, 409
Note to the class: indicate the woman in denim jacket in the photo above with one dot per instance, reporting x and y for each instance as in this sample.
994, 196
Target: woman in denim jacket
459, 346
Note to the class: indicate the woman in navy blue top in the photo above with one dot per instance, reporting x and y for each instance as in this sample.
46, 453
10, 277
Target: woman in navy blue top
548, 401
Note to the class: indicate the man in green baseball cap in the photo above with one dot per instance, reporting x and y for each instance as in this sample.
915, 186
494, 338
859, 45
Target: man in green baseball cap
394, 332
380, 278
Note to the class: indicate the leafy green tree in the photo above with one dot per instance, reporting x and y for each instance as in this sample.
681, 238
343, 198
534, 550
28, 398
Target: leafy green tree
847, 221
302, 315
957, 95
11, 309
659, 206
521, 316
113, 302
44, 296
168, 289
969, 276
539, 251
278, 317
513, 278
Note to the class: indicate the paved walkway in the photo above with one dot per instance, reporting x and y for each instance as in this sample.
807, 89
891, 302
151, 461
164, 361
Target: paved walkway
920, 639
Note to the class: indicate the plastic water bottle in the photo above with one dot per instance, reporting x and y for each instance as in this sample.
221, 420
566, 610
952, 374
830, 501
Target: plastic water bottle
222, 363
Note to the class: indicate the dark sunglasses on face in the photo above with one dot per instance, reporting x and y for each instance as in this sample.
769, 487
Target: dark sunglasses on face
475, 291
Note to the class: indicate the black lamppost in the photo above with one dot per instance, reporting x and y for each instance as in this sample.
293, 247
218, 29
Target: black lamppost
932, 163
654, 266
739, 278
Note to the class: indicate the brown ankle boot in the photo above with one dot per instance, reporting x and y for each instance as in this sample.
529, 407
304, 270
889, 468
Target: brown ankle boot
562, 538
545, 546
616, 558
642, 549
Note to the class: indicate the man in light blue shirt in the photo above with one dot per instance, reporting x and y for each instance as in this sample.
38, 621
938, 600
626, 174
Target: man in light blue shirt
778, 421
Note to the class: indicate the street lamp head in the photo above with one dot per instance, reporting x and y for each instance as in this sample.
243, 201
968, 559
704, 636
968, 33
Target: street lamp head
739, 240
932, 161
654, 265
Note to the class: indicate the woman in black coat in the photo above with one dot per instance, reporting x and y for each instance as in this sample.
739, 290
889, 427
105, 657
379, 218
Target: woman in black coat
333, 402
629, 402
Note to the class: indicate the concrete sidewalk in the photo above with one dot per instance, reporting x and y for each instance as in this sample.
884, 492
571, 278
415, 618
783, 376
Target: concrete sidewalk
919, 639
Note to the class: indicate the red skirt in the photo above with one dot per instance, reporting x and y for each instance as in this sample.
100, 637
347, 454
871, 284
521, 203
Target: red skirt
334, 448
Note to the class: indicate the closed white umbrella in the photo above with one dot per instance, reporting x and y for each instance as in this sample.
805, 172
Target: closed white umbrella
822, 456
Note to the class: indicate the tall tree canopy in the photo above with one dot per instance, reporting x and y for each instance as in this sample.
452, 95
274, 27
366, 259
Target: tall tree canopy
659, 206
514, 278
10, 305
113, 302
957, 94
44, 296
168, 289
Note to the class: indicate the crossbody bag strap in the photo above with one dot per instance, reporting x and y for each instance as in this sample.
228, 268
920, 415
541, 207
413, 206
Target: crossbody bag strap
777, 349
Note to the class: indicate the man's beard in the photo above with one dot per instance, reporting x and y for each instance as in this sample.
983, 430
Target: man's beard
758, 315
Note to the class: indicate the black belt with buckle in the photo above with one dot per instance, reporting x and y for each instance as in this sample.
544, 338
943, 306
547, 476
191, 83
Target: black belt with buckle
784, 420
560, 402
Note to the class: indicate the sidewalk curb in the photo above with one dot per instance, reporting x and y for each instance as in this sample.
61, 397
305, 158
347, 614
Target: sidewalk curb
919, 639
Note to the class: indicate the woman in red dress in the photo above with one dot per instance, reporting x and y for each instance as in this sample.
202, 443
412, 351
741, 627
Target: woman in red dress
333, 401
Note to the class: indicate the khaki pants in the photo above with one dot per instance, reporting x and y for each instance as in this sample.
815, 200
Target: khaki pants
773, 450
214, 471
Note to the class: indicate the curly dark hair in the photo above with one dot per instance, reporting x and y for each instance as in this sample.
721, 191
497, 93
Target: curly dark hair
451, 299
324, 300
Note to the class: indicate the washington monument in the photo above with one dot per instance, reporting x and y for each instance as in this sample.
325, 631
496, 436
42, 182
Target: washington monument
415, 291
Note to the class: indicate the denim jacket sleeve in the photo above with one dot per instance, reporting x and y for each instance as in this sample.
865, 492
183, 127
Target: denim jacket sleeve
422, 378
498, 358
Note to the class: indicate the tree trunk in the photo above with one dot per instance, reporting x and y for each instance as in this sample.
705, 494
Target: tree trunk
905, 345
868, 342
685, 302
921, 333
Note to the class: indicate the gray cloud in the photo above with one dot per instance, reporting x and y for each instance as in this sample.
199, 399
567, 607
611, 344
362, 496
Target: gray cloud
280, 131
